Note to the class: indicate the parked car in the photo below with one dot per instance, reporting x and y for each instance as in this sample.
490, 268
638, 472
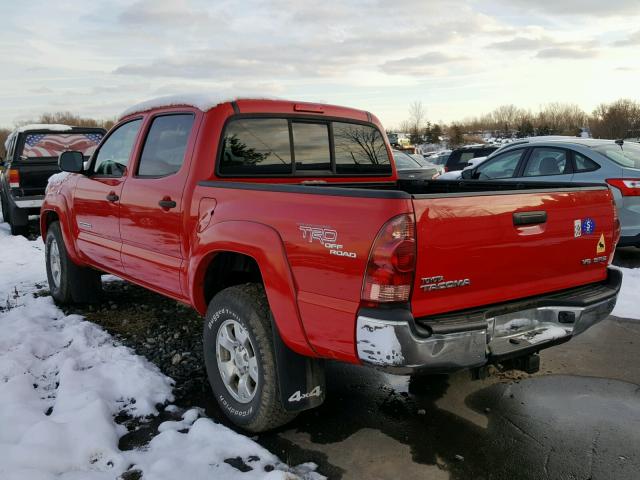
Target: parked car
439, 158
32, 157
296, 241
457, 174
578, 160
409, 167
459, 158
426, 162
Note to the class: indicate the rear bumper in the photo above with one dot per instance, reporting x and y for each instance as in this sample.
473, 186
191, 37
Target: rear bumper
393, 340
34, 201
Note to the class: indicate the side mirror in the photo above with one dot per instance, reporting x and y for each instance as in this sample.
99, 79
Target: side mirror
71, 162
467, 174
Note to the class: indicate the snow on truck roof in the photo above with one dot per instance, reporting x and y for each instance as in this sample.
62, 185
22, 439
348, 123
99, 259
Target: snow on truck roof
56, 127
201, 101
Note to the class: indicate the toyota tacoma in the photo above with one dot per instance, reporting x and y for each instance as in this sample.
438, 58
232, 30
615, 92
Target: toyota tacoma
285, 225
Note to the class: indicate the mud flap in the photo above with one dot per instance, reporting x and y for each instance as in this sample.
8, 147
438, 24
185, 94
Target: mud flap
301, 379
19, 216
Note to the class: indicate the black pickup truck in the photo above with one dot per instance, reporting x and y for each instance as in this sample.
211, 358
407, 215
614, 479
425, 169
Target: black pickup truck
32, 157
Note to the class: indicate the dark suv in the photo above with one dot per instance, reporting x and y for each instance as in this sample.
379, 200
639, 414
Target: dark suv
32, 157
460, 157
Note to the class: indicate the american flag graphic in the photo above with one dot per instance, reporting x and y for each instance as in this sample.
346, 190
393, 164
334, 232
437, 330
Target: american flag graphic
53, 144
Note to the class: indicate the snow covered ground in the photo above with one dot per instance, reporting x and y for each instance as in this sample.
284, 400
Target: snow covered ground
628, 305
64, 379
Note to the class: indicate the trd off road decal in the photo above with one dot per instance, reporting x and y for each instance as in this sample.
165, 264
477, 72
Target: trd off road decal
327, 237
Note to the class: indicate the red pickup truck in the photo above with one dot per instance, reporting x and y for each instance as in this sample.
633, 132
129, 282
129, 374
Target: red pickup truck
285, 225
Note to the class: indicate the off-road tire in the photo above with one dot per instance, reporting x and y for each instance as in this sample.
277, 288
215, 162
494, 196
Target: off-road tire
246, 304
77, 284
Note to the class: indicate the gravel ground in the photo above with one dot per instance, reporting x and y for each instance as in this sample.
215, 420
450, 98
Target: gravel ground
166, 332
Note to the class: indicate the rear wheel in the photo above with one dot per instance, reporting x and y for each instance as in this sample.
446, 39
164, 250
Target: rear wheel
68, 282
240, 358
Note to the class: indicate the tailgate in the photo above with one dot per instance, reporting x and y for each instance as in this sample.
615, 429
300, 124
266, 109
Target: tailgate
34, 174
485, 248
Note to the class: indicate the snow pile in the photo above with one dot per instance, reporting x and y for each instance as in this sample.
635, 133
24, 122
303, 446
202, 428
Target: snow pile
201, 101
55, 127
62, 381
57, 178
628, 305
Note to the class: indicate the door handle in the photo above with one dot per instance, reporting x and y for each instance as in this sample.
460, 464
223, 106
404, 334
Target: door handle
529, 218
112, 197
167, 203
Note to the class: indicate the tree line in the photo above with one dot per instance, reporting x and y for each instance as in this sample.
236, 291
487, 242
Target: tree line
618, 119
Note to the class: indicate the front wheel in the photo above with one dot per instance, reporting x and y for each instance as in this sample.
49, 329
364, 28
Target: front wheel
68, 282
240, 358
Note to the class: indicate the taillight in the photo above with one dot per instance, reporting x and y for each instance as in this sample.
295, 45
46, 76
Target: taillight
446, 169
392, 262
14, 178
617, 230
629, 187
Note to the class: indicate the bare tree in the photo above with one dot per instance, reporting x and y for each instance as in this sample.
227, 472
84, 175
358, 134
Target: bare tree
417, 117
69, 118
616, 120
562, 118
4, 133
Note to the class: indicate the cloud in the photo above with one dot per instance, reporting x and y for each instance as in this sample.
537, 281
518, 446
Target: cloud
172, 13
569, 53
631, 40
519, 43
593, 8
427, 64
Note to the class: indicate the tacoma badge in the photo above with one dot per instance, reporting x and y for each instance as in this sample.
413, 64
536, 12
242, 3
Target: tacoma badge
439, 283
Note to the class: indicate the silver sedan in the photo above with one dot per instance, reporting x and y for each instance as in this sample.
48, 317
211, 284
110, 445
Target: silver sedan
580, 160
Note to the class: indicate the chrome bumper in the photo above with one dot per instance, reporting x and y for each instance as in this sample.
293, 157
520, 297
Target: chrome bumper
29, 202
391, 340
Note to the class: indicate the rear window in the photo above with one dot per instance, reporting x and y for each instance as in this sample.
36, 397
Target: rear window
359, 149
626, 155
47, 145
311, 146
263, 146
256, 147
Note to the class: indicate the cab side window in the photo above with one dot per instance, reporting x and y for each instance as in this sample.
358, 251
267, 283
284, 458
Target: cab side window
113, 157
584, 164
546, 161
166, 143
501, 166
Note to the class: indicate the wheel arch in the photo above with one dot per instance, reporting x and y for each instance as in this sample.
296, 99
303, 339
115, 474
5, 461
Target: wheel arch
51, 214
229, 253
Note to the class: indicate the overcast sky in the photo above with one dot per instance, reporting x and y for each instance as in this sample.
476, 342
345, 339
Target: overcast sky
459, 58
